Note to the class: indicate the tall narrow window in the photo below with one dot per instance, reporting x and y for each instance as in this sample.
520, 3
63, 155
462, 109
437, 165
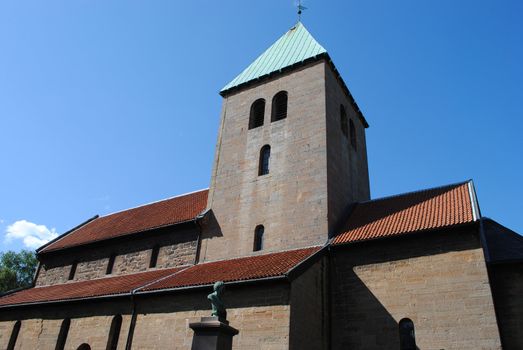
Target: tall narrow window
114, 333
279, 106
14, 335
407, 336
110, 264
72, 272
154, 256
353, 137
257, 113
62, 336
265, 156
258, 238
343, 121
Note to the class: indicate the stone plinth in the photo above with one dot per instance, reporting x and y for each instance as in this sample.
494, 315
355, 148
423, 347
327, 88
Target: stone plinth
211, 333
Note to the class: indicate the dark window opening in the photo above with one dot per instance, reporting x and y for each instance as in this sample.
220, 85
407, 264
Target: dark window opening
258, 238
257, 113
14, 335
279, 106
84, 346
343, 121
114, 333
110, 264
154, 256
62, 336
72, 272
353, 140
265, 156
407, 336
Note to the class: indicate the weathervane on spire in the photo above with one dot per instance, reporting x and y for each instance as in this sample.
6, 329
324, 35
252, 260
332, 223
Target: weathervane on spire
301, 8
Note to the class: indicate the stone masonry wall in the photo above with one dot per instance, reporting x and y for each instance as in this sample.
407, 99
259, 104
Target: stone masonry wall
177, 248
261, 312
348, 174
507, 287
309, 309
438, 280
290, 201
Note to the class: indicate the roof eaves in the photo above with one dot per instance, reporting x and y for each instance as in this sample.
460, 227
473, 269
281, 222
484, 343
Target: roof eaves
402, 234
39, 250
303, 265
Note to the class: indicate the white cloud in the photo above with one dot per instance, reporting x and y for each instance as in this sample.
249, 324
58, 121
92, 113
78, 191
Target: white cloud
31, 234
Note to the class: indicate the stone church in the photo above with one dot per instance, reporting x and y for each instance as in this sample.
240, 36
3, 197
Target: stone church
309, 260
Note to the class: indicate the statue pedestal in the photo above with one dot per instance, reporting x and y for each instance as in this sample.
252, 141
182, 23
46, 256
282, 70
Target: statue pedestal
211, 333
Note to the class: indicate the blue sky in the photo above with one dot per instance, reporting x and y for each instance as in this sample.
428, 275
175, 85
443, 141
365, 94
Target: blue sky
106, 105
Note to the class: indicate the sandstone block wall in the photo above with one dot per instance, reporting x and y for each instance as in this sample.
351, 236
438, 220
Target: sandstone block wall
348, 175
177, 247
437, 280
290, 201
309, 323
507, 288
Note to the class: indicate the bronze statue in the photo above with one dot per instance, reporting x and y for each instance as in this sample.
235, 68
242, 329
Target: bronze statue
218, 308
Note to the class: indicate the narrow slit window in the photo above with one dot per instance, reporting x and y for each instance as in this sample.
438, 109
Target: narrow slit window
279, 106
265, 156
343, 121
62, 336
154, 256
353, 137
72, 272
258, 238
110, 264
407, 336
114, 333
257, 113
14, 335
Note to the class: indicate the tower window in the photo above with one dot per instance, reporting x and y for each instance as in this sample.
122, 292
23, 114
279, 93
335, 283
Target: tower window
110, 264
62, 336
258, 238
407, 337
279, 106
114, 333
14, 335
72, 272
257, 113
343, 121
154, 256
265, 156
353, 137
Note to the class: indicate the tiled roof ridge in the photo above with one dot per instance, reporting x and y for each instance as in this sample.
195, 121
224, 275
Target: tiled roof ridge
456, 184
154, 202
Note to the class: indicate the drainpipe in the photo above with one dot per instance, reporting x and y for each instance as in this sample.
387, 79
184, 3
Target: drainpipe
130, 334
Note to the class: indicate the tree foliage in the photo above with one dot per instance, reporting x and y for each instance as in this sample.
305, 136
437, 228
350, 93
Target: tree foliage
16, 269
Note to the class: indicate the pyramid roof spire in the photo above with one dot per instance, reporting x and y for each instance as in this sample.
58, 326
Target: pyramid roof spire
294, 47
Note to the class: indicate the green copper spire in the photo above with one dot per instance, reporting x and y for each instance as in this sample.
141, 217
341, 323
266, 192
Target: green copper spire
295, 46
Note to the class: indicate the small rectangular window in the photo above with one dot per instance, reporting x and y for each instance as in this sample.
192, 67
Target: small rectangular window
72, 272
110, 264
154, 256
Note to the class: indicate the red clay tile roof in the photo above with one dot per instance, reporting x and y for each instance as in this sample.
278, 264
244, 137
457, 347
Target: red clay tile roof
85, 289
159, 214
422, 210
241, 269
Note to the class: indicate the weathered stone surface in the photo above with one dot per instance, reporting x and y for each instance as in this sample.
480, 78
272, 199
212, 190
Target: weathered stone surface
177, 247
437, 280
292, 201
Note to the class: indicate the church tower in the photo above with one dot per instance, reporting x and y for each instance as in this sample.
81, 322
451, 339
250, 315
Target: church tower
291, 154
